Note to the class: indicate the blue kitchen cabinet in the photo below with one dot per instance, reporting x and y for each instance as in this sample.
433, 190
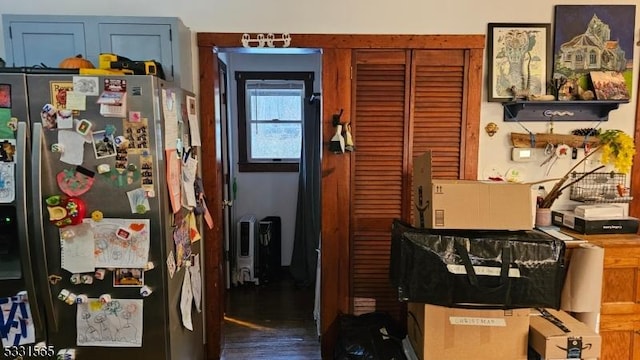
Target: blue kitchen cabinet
35, 40
29, 42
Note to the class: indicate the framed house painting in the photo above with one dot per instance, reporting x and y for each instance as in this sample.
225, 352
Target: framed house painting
519, 60
593, 39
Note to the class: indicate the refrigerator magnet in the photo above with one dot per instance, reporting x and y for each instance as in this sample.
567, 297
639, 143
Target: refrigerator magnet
71, 299
83, 127
64, 293
103, 168
57, 148
86, 279
13, 124
105, 298
75, 279
75, 182
54, 279
123, 233
99, 274
68, 211
22, 296
145, 291
82, 299
135, 116
97, 215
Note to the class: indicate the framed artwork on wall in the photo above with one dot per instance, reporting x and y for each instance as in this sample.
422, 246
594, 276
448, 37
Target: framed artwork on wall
592, 39
519, 60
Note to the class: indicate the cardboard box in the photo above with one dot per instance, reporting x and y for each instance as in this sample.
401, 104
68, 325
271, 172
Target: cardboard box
469, 204
554, 343
627, 225
442, 333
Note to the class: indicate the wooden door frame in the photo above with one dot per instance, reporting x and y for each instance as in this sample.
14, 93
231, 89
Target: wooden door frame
336, 95
634, 207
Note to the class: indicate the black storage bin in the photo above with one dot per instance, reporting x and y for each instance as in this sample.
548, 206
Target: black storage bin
477, 268
269, 248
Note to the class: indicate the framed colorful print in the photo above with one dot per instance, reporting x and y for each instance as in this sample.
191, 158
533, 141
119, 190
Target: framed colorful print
592, 38
519, 60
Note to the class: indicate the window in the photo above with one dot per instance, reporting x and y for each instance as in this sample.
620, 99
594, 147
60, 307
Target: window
271, 107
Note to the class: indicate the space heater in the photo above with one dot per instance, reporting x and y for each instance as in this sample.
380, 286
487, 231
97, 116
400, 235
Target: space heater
246, 255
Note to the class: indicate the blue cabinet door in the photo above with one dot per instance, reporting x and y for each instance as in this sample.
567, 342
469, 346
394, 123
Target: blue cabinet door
45, 43
139, 42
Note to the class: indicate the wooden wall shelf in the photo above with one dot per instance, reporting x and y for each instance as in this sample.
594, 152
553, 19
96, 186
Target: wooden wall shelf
594, 110
522, 140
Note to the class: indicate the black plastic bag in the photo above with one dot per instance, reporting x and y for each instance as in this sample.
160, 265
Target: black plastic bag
371, 336
476, 268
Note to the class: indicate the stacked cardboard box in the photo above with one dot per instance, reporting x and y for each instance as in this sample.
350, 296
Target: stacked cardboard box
469, 204
443, 333
556, 335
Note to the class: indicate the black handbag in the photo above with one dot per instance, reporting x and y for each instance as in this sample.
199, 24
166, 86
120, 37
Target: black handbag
476, 268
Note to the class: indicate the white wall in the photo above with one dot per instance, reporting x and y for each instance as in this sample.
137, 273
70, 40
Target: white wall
366, 17
268, 194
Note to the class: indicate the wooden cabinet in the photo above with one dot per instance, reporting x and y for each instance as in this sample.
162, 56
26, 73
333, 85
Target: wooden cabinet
620, 313
39, 40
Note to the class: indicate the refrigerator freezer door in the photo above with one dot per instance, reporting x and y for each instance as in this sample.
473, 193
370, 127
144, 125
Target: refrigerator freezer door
16, 265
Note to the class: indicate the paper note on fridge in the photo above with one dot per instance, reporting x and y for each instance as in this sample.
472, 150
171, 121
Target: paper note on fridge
7, 182
196, 282
170, 112
194, 127
76, 101
112, 251
117, 323
186, 299
76, 252
72, 147
16, 322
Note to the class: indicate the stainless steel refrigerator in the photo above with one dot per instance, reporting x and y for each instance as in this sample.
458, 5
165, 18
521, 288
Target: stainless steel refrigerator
102, 226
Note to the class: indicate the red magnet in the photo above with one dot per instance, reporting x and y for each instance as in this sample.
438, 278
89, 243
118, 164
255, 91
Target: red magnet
65, 211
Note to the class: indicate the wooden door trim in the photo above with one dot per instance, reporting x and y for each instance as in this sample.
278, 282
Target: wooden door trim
634, 206
351, 41
213, 252
335, 296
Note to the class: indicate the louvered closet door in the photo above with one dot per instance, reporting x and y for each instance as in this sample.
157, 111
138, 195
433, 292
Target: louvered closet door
395, 121
437, 113
381, 105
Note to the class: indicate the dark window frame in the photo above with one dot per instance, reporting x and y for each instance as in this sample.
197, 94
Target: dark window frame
244, 163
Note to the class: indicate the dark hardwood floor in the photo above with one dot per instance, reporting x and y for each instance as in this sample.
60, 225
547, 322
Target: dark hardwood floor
272, 321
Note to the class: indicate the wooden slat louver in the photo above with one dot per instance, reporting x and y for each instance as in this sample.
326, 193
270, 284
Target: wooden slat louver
380, 106
438, 108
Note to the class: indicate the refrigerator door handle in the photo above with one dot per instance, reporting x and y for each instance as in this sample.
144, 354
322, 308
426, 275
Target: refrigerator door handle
38, 227
22, 153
